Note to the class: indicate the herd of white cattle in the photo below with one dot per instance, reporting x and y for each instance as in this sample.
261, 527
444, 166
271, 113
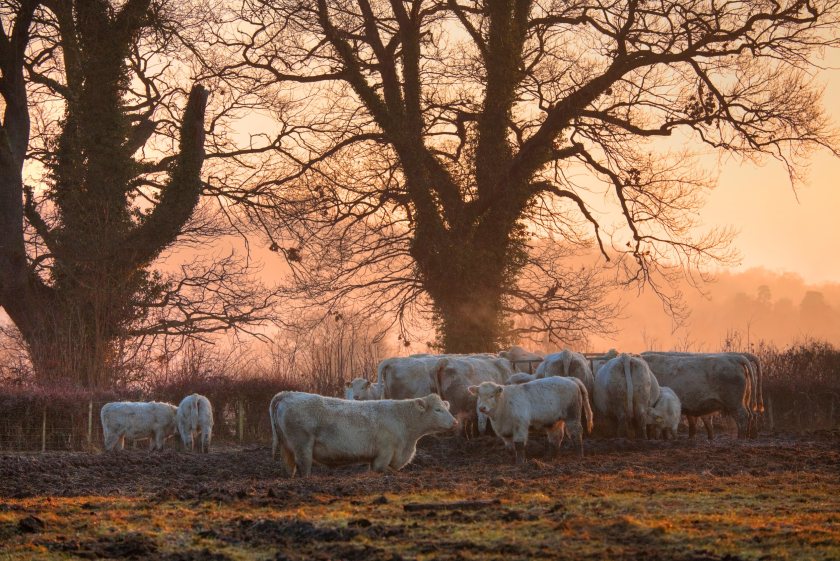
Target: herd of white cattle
379, 423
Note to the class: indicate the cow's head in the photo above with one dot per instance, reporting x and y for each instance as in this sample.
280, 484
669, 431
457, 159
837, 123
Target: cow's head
655, 418
437, 410
488, 394
358, 389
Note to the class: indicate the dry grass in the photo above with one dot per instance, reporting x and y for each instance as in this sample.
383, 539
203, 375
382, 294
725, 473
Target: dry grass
772, 499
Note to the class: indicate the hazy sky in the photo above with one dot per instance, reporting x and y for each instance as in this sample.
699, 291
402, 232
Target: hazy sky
778, 232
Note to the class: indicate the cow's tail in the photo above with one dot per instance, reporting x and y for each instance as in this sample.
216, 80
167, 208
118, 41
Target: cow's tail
272, 411
628, 379
585, 407
380, 377
441, 366
760, 390
194, 411
749, 369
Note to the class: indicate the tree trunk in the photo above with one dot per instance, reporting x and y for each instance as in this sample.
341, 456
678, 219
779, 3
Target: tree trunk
466, 274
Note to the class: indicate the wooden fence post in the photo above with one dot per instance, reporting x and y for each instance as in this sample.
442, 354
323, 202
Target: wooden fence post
44, 431
90, 425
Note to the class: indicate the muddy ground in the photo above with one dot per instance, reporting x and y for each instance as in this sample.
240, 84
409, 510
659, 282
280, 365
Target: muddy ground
775, 497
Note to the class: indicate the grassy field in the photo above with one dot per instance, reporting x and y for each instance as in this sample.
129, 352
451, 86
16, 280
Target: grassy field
773, 498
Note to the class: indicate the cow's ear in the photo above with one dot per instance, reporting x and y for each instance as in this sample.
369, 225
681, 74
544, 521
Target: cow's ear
473, 390
420, 403
446, 404
367, 384
499, 390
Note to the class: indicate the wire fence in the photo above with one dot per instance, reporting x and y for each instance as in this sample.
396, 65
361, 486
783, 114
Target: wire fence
42, 429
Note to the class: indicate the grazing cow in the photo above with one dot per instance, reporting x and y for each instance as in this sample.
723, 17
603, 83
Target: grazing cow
554, 404
520, 378
708, 383
330, 431
360, 389
625, 389
567, 363
195, 418
664, 414
137, 420
520, 359
457, 373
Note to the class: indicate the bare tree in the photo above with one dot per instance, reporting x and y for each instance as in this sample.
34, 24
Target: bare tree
427, 150
92, 95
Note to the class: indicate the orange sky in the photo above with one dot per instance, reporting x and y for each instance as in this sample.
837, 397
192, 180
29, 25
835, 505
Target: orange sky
776, 231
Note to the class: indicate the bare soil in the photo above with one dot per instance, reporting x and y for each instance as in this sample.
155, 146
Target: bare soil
774, 497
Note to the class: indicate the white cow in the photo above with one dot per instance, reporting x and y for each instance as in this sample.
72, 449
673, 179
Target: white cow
407, 377
360, 389
625, 389
752, 365
456, 373
136, 420
521, 360
708, 383
308, 427
195, 419
554, 404
664, 414
520, 378
567, 363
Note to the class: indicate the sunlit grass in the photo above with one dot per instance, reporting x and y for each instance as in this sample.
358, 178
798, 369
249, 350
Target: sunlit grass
780, 516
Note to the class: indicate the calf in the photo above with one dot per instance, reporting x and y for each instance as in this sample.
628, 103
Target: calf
554, 404
330, 431
136, 420
664, 414
360, 389
195, 418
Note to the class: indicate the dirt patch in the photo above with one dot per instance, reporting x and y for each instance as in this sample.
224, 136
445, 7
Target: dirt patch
250, 474
286, 532
125, 546
728, 500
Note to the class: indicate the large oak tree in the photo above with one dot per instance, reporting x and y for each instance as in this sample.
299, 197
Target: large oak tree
101, 155
448, 152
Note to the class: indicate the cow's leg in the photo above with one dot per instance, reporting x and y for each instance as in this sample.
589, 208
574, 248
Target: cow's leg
289, 463
621, 425
206, 435
111, 441
554, 438
692, 426
381, 462
519, 451
639, 426
303, 457
158, 440
520, 441
709, 426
